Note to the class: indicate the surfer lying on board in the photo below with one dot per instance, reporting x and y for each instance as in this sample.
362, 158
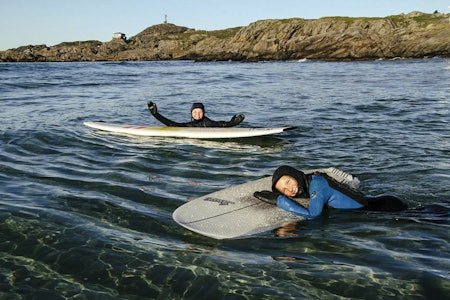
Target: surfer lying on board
198, 118
322, 190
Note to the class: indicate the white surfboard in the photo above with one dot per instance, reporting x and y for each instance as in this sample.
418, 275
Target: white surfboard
187, 132
233, 212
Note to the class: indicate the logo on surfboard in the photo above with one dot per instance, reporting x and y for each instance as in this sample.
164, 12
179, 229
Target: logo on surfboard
218, 201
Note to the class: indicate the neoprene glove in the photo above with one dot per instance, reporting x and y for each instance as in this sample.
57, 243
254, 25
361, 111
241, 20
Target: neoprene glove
267, 196
236, 119
152, 107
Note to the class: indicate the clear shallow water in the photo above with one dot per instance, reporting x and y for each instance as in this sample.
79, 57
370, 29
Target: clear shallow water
85, 214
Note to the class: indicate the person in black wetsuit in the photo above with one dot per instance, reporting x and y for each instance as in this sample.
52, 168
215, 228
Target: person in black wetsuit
322, 190
198, 118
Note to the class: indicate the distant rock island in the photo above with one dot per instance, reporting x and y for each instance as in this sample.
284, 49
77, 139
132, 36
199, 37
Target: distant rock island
413, 35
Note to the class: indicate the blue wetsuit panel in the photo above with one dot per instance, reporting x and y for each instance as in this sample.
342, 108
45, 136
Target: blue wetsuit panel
321, 194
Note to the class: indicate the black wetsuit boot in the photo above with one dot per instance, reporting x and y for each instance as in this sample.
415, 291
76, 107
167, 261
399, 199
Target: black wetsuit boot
384, 203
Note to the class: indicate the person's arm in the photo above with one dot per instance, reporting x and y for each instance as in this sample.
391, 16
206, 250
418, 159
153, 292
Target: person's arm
315, 206
235, 120
314, 209
154, 111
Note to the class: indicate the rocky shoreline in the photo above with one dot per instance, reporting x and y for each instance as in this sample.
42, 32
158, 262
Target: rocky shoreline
413, 35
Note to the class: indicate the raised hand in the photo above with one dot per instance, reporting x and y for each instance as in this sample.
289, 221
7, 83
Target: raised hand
152, 107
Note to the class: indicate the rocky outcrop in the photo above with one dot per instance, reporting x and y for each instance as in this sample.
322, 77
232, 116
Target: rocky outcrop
415, 35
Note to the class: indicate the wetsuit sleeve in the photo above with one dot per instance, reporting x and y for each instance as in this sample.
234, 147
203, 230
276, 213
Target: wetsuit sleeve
235, 120
315, 206
168, 122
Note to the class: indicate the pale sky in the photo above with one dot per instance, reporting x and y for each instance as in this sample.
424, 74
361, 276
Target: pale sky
50, 22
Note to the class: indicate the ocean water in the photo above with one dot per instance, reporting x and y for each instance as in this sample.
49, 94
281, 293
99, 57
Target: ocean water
87, 215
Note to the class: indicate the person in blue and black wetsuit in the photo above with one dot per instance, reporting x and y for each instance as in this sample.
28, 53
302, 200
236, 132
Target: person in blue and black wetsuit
198, 118
322, 190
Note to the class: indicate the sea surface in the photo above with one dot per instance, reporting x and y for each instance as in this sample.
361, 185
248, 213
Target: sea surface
86, 214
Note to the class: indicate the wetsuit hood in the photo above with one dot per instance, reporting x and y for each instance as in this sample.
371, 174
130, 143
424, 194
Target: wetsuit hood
302, 179
198, 105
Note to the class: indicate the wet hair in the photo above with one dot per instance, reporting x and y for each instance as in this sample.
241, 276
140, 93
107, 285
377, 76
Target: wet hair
299, 176
198, 105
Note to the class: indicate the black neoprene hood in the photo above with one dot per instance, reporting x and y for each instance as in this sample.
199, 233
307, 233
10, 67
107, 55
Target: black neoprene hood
198, 105
299, 176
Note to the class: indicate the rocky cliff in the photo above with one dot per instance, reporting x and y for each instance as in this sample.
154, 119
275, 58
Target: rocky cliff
415, 35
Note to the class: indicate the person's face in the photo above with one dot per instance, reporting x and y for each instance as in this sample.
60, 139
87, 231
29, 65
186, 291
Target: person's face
287, 185
197, 113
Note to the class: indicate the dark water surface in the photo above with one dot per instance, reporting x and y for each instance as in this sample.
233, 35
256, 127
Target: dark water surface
87, 215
